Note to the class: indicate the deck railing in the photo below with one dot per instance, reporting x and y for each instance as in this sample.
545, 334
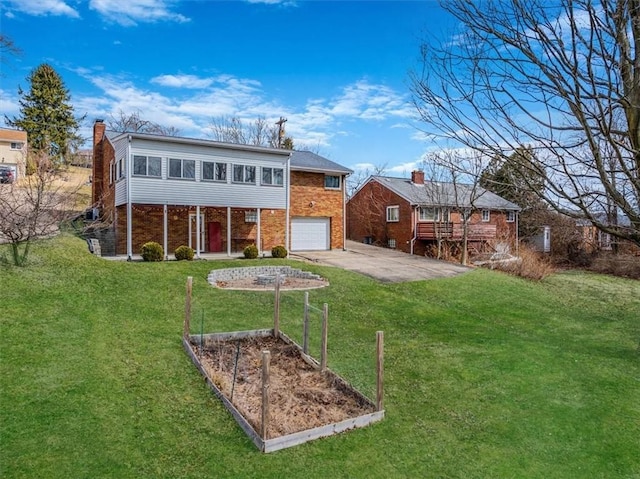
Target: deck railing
454, 231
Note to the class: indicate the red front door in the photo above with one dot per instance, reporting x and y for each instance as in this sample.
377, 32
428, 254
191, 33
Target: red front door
215, 236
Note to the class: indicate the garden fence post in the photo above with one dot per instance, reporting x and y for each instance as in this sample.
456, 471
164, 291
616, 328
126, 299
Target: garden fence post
305, 324
187, 307
266, 359
276, 309
380, 370
325, 329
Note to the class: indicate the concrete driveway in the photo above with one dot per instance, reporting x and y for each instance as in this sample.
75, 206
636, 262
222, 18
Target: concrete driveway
385, 265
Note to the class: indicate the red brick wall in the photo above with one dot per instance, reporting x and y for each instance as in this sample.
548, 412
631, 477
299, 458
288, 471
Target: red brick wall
148, 225
367, 217
310, 198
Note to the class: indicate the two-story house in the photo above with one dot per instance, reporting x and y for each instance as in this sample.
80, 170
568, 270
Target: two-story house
213, 196
13, 150
412, 214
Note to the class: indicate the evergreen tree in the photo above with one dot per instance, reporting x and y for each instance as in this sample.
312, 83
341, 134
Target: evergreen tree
519, 179
47, 116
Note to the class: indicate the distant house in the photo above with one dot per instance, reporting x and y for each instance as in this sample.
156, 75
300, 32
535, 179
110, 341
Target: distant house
411, 214
13, 150
213, 196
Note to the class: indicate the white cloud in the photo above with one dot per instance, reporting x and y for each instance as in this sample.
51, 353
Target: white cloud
182, 81
368, 101
131, 12
43, 7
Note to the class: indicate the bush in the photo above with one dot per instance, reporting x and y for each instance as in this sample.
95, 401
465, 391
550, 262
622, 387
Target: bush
152, 251
530, 264
251, 252
279, 252
184, 253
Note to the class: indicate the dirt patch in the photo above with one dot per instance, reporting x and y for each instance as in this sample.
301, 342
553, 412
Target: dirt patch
287, 284
301, 397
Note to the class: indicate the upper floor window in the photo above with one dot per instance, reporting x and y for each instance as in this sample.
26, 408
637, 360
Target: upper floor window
511, 216
120, 169
272, 176
17, 145
214, 171
244, 174
393, 214
147, 166
429, 213
486, 215
332, 182
182, 169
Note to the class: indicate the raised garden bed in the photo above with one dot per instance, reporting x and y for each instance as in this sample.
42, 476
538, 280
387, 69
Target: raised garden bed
280, 395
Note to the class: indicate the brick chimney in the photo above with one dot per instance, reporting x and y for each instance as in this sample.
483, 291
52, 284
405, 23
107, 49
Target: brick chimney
417, 177
97, 177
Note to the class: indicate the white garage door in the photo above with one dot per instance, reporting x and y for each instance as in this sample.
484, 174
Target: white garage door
309, 234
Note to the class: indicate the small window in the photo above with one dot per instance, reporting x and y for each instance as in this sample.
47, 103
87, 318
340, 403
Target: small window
486, 216
272, 176
17, 145
182, 169
251, 216
111, 171
332, 182
147, 166
431, 214
120, 169
244, 174
214, 171
393, 214
511, 216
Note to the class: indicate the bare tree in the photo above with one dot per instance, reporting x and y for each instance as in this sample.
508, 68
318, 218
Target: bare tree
134, 123
563, 77
34, 207
234, 130
359, 178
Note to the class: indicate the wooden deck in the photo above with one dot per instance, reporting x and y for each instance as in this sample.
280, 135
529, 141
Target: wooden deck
454, 231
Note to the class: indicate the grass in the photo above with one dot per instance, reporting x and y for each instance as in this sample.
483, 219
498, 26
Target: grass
487, 375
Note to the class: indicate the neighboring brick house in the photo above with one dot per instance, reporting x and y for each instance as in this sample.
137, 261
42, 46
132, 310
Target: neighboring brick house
411, 214
13, 150
213, 196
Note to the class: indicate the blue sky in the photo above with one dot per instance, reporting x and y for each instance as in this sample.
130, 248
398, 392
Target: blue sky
337, 70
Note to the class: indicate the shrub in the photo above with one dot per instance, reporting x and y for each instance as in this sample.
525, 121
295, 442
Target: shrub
251, 252
530, 264
152, 251
279, 252
184, 253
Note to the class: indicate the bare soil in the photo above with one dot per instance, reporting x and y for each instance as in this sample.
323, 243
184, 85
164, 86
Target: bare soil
300, 396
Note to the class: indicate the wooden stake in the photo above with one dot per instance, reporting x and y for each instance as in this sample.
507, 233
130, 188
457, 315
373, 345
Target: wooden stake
276, 309
187, 307
380, 370
266, 359
305, 324
325, 331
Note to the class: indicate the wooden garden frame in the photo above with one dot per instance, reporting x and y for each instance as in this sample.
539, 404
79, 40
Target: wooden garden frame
259, 438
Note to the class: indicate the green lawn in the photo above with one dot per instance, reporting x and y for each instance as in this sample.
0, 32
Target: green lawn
487, 375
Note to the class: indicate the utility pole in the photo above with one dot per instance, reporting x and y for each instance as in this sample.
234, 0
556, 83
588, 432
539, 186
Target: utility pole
280, 124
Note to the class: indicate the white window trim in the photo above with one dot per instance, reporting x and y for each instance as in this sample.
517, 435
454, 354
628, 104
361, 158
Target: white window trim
146, 174
215, 170
336, 188
17, 145
440, 214
244, 174
511, 216
273, 170
488, 214
393, 208
181, 177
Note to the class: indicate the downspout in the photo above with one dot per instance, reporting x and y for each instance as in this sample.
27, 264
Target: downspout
415, 228
129, 206
517, 230
287, 211
344, 213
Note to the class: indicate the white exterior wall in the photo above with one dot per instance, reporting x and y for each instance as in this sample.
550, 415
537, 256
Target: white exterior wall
121, 185
197, 192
